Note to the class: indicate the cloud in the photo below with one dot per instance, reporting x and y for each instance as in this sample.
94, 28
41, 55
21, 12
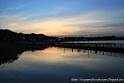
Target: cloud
91, 22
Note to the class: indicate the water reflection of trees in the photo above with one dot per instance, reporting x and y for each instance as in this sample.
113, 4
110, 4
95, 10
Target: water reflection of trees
10, 53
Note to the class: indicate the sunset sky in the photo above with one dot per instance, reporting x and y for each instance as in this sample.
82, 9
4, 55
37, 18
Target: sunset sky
63, 17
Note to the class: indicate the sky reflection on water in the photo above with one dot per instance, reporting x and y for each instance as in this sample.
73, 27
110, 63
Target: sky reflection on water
59, 65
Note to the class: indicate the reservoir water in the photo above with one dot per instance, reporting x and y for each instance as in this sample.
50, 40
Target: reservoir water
60, 65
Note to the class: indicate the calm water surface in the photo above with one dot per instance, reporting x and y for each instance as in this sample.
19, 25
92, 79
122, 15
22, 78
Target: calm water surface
59, 65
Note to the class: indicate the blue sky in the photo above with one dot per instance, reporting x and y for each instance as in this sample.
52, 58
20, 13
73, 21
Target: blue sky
63, 17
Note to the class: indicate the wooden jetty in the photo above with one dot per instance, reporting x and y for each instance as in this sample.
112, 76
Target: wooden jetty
111, 47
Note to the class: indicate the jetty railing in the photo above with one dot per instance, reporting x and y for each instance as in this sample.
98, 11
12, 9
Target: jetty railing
112, 45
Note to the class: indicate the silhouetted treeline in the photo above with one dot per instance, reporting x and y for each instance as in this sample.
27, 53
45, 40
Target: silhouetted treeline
13, 37
9, 36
